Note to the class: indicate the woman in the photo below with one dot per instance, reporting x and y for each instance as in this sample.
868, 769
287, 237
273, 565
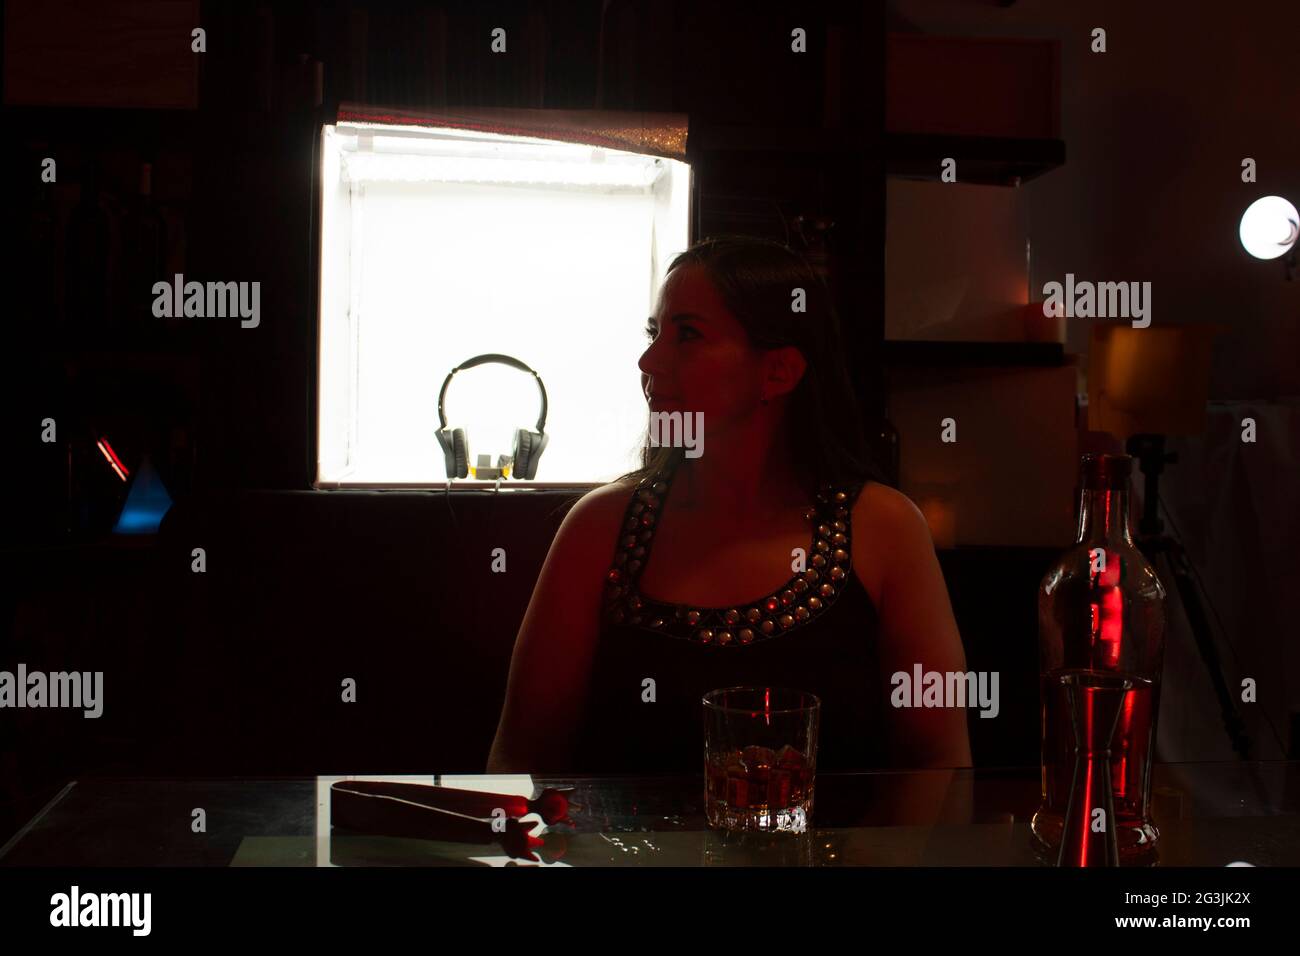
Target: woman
780, 486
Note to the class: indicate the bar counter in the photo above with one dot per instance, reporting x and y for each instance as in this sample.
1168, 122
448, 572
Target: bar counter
1208, 814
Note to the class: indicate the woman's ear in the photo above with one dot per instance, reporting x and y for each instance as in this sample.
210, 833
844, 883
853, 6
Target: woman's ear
785, 369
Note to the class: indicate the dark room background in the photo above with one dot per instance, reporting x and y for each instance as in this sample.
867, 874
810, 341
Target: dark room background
236, 670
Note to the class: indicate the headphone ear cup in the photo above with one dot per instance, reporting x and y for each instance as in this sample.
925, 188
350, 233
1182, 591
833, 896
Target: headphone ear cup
444, 442
523, 453
460, 453
535, 443
540, 441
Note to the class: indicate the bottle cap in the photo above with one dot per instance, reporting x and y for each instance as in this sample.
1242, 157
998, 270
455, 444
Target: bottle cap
1106, 472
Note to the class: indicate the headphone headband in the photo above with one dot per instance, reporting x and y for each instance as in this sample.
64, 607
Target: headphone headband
498, 358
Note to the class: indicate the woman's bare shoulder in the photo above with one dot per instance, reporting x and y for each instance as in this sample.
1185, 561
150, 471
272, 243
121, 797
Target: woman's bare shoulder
608, 494
880, 504
601, 507
887, 524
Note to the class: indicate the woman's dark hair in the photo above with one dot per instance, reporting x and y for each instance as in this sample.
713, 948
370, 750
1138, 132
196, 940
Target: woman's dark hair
755, 278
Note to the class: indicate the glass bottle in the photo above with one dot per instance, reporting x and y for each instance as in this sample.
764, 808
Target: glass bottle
1101, 628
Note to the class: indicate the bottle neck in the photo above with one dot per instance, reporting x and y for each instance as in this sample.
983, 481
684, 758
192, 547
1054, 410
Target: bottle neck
1103, 516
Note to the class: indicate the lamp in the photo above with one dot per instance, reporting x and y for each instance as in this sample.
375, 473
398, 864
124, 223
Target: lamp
1269, 228
1151, 381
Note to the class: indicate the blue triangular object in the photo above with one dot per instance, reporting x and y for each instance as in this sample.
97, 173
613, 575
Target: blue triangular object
146, 502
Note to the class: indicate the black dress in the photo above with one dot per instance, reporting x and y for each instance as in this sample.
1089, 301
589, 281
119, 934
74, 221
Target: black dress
819, 633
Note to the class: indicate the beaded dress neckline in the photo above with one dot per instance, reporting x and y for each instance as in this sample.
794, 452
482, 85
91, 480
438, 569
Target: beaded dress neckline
803, 598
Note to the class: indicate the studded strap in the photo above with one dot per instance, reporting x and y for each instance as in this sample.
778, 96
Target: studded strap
804, 598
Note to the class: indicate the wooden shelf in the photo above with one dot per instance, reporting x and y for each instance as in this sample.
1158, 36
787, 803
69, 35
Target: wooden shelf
981, 160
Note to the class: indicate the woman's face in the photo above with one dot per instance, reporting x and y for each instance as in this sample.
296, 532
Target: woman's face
700, 358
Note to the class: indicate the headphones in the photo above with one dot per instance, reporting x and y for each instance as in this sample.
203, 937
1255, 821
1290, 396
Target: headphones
528, 447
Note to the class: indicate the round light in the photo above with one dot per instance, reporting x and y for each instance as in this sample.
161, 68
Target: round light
1269, 227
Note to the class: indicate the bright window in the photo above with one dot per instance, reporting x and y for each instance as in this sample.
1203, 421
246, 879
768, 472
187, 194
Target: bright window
440, 245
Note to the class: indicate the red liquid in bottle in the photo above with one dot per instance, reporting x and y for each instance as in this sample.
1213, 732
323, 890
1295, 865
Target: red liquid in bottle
1130, 746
